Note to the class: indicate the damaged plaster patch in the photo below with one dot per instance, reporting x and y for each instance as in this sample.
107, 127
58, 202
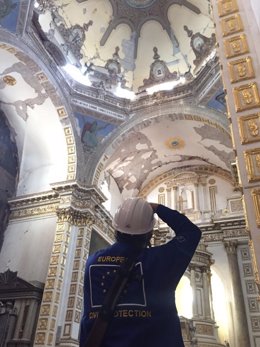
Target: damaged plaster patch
208, 132
135, 171
22, 105
146, 155
141, 146
225, 157
128, 47
213, 134
22, 69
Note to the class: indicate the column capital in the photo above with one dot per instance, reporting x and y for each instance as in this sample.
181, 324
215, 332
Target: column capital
74, 217
231, 246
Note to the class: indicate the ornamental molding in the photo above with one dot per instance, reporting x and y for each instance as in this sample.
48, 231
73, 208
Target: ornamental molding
34, 205
75, 217
79, 201
12, 286
170, 178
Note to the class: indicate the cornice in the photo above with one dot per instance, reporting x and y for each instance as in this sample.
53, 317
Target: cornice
66, 196
232, 228
170, 175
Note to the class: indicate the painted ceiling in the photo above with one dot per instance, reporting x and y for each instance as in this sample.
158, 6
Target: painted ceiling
168, 143
136, 44
129, 43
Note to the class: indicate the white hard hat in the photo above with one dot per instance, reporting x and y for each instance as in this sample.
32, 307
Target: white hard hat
135, 216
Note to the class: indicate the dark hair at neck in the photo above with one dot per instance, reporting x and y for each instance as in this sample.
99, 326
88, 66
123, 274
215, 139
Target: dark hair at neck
138, 241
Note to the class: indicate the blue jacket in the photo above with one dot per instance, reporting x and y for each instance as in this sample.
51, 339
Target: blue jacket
146, 314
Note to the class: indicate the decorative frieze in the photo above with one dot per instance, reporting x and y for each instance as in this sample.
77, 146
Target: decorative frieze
51, 296
250, 287
71, 148
253, 304
204, 329
255, 321
247, 270
75, 298
255, 268
34, 205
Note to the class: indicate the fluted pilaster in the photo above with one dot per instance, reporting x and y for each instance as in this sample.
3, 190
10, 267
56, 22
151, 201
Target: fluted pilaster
240, 321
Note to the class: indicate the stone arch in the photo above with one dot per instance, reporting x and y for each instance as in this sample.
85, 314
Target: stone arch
40, 117
152, 116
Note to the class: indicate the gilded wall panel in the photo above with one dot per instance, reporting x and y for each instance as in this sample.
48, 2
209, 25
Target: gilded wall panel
232, 25
249, 128
241, 70
236, 46
256, 200
226, 7
252, 157
246, 97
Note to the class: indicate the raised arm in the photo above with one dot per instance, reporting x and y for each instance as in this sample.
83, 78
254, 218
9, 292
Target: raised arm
187, 233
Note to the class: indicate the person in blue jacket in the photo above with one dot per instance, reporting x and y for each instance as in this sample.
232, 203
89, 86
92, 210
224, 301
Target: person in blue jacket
146, 314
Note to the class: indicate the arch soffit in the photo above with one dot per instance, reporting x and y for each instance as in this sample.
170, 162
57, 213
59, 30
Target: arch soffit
30, 92
179, 172
141, 120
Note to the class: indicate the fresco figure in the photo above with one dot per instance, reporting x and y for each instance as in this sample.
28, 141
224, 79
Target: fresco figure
6, 6
89, 135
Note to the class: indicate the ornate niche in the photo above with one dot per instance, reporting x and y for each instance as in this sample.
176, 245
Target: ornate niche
19, 307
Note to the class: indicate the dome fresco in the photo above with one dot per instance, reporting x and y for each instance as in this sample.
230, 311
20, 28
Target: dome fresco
131, 44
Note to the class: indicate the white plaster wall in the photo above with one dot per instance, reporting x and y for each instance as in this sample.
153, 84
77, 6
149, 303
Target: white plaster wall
224, 191
111, 191
222, 304
44, 158
27, 248
256, 10
250, 12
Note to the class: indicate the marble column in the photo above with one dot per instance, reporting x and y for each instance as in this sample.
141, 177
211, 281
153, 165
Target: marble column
241, 326
206, 292
196, 197
195, 312
205, 197
12, 316
19, 321
30, 320
168, 197
174, 200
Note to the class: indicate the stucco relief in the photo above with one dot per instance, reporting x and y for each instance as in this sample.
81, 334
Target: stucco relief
211, 138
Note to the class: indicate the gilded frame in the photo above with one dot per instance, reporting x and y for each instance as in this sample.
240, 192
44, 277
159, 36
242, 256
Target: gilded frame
246, 97
256, 201
241, 69
252, 158
249, 128
226, 7
236, 45
232, 25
